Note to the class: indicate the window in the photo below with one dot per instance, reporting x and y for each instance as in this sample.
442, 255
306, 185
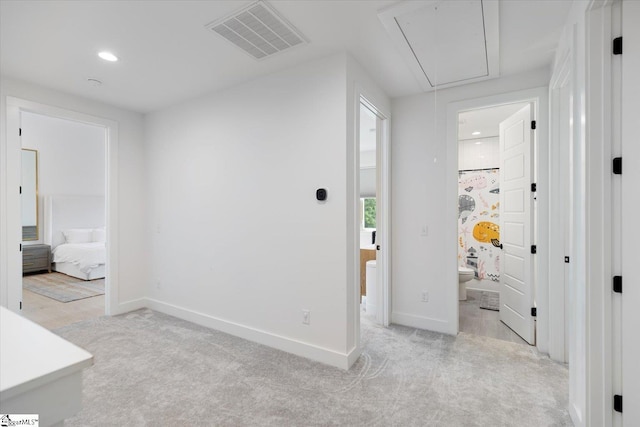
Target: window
369, 213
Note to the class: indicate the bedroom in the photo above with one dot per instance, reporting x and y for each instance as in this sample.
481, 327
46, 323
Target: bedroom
63, 217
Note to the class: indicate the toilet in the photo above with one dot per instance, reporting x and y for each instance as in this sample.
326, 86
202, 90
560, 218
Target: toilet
464, 275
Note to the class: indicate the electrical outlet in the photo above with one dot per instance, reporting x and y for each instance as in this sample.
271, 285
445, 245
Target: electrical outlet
424, 296
306, 317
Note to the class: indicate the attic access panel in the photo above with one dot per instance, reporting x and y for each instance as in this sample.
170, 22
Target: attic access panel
446, 43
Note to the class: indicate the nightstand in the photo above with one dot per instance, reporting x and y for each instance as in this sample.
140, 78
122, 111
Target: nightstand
36, 258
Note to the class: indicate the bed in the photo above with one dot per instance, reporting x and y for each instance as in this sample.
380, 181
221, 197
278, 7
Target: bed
74, 227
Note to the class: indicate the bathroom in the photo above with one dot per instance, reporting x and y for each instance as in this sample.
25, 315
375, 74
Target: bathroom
479, 247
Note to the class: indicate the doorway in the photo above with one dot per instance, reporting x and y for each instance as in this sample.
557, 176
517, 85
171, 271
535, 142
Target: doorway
539, 298
373, 212
19, 110
63, 220
480, 251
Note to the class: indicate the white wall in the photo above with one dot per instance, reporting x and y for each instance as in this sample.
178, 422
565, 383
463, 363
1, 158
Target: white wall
485, 155
237, 239
419, 174
131, 191
71, 157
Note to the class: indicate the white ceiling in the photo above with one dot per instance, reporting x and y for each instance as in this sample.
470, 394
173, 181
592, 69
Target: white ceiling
168, 56
484, 120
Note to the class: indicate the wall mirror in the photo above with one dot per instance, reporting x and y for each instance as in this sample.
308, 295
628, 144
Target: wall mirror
29, 195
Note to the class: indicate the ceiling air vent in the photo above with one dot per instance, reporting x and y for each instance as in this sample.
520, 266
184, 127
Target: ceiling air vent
258, 30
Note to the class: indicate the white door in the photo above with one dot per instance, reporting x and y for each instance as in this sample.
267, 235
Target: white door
516, 204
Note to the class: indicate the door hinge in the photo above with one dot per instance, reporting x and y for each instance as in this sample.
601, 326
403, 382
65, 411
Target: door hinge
617, 284
534, 249
617, 403
534, 312
20, 247
534, 187
533, 125
20, 305
617, 46
19, 131
566, 259
617, 165
20, 189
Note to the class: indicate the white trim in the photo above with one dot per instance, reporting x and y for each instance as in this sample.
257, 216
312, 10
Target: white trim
597, 239
383, 205
128, 306
539, 96
558, 314
631, 175
259, 336
14, 107
422, 322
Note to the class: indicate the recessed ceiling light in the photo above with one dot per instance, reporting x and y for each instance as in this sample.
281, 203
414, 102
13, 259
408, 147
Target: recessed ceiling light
475, 133
108, 56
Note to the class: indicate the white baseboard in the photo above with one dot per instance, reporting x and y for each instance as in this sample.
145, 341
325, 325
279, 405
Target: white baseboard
353, 355
318, 354
127, 306
422, 322
576, 415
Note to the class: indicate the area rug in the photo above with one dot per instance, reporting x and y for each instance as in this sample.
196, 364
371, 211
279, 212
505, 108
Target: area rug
490, 300
61, 287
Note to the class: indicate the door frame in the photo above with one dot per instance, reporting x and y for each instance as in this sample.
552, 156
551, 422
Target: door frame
12, 281
540, 98
383, 219
559, 159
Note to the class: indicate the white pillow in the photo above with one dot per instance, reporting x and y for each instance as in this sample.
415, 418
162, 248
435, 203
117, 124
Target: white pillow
78, 235
99, 235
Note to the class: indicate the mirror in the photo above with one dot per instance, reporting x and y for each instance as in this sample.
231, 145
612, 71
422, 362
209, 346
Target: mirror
29, 194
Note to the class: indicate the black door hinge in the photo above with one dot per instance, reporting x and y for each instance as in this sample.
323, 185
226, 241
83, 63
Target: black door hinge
20, 305
534, 249
20, 247
534, 187
617, 284
566, 259
617, 165
534, 312
617, 46
617, 403
21, 189
533, 125
19, 131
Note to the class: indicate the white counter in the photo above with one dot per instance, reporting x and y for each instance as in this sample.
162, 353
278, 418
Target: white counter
40, 373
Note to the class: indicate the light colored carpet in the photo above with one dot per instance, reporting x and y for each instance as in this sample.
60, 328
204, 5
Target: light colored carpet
63, 288
155, 370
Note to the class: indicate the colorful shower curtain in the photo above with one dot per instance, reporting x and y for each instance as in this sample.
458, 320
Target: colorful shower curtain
478, 222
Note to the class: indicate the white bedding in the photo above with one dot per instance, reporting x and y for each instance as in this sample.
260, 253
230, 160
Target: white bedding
85, 256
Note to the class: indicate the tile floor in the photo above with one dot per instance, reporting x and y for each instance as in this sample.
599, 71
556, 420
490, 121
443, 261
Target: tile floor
52, 314
478, 321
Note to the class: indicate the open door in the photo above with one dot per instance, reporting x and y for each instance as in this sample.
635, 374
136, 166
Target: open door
516, 201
